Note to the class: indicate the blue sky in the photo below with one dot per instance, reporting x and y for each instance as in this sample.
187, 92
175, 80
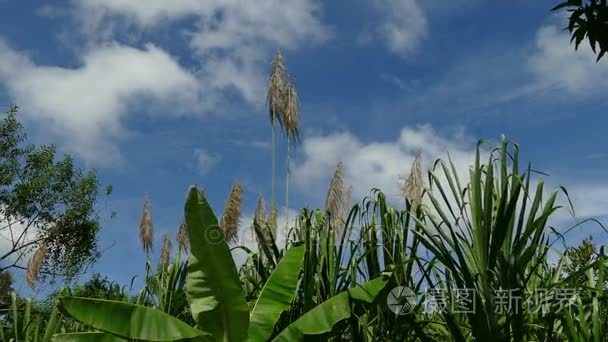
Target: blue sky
158, 95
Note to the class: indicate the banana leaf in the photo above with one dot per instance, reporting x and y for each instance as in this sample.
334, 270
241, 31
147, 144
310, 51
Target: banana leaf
213, 287
322, 318
87, 337
127, 320
277, 295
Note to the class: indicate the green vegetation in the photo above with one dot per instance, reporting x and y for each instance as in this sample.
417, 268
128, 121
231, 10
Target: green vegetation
46, 205
588, 19
489, 235
478, 252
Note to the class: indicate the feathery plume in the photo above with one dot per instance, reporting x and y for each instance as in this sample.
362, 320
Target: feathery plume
259, 219
412, 186
165, 252
338, 198
260, 210
231, 219
182, 238
276, 85
271, 221
342, 215
35, 265
291, 111
146, 233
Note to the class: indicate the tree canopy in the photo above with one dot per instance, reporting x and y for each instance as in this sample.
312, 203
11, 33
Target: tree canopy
47, 205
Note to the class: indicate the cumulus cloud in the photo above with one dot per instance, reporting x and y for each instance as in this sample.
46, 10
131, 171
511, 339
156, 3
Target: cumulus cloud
378, 164
231, 41
146, 13
402, 27
205, 160
85, 105
556, 64
374, 164
234, 39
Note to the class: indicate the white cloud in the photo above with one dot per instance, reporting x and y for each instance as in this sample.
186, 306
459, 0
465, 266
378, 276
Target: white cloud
589, 200
556, 64
85, 106
13, 237
234, 39
205, 160
374, 164
404, 25
146, 13
536, 74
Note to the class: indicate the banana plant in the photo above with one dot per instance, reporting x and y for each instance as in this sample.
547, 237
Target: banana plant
214, 294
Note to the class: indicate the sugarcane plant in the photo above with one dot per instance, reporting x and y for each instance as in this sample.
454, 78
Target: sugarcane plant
21, 322
492, 238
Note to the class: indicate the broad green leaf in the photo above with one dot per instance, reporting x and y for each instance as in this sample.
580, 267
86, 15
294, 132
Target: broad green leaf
213, 287
127, 320
87, 337
324, 317
277, 294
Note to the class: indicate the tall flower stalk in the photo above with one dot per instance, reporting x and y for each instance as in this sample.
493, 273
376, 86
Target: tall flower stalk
231, 219
283, 108
337, 201
145, 226
413, 186
291, 126
274, 99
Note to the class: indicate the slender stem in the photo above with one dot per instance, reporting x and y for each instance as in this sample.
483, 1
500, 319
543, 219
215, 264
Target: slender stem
272, 203
287, 191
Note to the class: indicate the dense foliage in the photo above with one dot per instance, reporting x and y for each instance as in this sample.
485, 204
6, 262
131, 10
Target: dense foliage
47, 205
485, 242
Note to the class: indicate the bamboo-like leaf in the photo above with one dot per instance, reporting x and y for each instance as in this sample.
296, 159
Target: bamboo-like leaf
277, 294
324, 317
51, 325
15, 312
213, 287
127, 320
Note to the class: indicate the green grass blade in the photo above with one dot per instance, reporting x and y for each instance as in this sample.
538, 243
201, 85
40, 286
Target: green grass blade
87, 337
